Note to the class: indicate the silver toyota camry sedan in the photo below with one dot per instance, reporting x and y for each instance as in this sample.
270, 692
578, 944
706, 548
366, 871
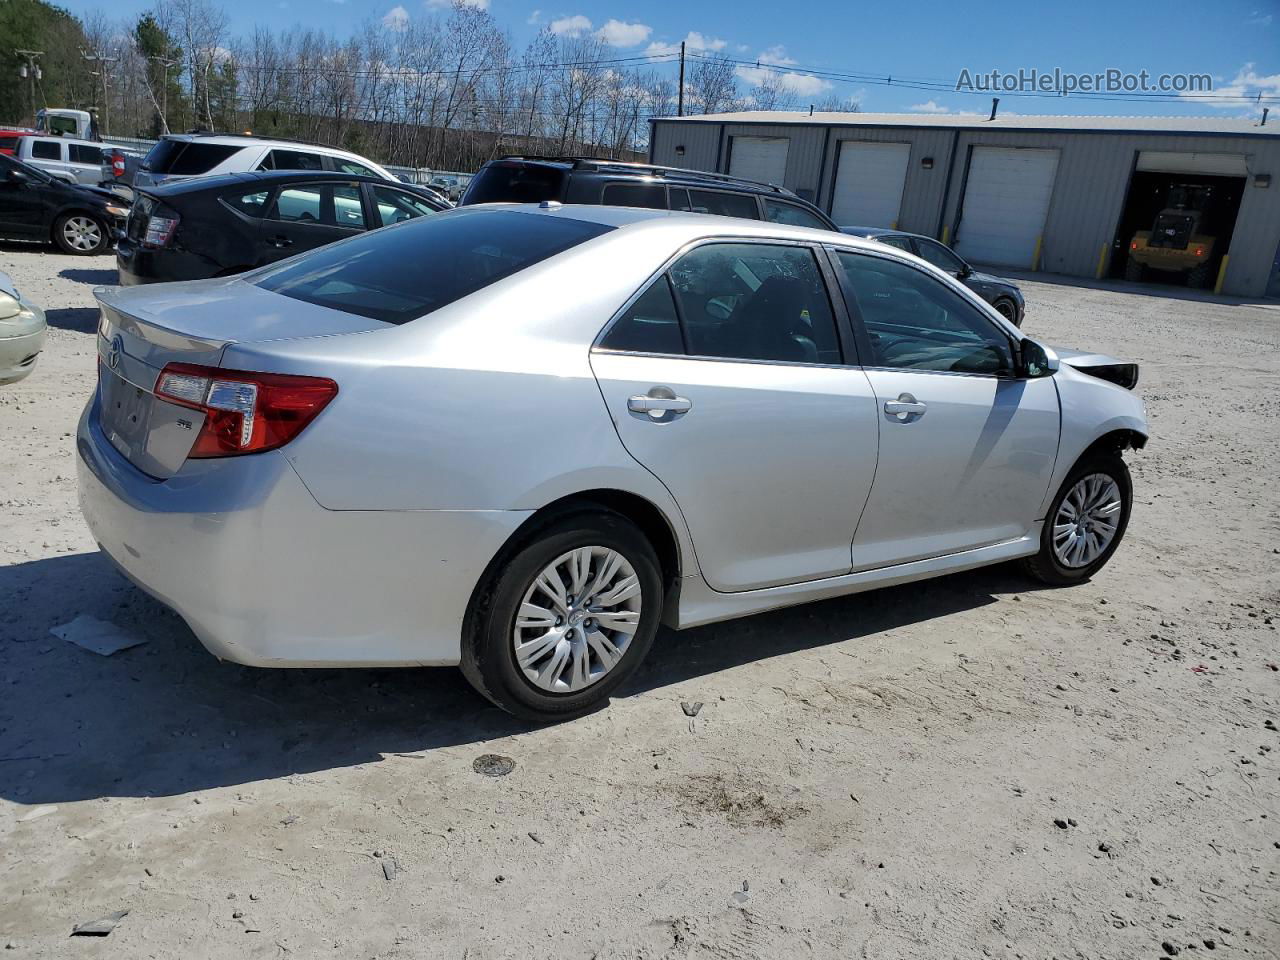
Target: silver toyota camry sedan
519, 438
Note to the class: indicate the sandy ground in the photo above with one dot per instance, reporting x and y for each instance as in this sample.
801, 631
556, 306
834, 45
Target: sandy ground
878, 776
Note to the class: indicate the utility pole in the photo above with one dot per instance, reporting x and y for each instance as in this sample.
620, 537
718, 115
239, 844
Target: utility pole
166, 63
101, 72
680, 96
30, 70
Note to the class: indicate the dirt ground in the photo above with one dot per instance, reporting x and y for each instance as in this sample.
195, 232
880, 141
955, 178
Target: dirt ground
968, 767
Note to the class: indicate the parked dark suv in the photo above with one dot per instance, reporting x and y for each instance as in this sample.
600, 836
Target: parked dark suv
218, 226
610, 182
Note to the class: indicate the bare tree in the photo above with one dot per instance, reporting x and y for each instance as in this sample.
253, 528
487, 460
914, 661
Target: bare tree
712, 86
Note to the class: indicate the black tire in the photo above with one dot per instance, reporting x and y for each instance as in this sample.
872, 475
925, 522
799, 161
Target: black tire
65, 244
1133, 270
1199, 277
1045, 565
488, 651
1007, 309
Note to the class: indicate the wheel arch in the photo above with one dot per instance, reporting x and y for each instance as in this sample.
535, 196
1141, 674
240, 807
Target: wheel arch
647, 516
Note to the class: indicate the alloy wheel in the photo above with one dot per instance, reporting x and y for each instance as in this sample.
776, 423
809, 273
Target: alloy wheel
1087, 520
82, 233
577, 619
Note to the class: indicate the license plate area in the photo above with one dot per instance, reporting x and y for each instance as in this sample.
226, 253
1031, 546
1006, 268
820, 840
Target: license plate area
126, 414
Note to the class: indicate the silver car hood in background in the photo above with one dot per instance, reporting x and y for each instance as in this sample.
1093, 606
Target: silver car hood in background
7, 286
1121, 372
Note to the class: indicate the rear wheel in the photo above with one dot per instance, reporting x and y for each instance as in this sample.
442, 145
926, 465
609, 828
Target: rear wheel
1085, 523
81, 234
564, 618
1199, 276
1133, 270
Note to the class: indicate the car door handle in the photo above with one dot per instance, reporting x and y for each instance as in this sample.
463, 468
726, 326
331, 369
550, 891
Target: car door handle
280, 242
905, 408
657, 407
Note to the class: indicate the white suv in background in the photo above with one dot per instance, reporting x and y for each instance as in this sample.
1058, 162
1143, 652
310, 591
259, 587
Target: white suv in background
179, 156
75, 161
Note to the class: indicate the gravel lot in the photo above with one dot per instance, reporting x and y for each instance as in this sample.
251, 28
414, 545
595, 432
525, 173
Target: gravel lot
968, 767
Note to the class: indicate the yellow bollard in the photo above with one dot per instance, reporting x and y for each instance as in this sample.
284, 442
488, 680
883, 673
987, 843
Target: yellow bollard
946, 233
1035, 257
1222, 273
1102, 262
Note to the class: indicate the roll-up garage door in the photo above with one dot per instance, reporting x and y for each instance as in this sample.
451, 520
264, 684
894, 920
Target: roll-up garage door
1006, 200
1210, 164
869, 182
763, 159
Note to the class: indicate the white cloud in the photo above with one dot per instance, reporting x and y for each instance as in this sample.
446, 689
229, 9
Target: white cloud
438, 4
1259, 19
929, 106
620, 34
397, 18
534, 17
801, 84
574, 26
693, 43
1246, 83
777, 56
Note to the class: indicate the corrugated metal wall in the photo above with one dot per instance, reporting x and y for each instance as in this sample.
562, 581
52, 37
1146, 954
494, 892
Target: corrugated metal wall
1088, 197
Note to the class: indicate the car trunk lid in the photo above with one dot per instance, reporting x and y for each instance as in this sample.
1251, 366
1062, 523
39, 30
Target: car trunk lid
143, 329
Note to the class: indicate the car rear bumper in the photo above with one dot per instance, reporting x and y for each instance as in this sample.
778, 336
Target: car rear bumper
265, 576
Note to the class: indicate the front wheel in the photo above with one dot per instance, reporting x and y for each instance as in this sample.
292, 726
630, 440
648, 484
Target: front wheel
1007, 309
1085, 523
81, 234
564, 618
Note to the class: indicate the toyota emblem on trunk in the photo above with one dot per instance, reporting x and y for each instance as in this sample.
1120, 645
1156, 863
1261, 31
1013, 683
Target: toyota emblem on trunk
117, 347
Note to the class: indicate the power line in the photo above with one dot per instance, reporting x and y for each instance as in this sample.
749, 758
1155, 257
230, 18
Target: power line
939, 86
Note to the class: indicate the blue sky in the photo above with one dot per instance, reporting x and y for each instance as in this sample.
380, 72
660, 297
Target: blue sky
1238, 43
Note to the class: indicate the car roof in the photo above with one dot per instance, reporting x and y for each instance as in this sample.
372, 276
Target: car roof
246, 139
267, 178
690, 226
623, 168
880, 232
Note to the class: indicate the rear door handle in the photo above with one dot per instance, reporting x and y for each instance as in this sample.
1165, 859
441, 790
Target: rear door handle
658, 407
905, 408
280, 242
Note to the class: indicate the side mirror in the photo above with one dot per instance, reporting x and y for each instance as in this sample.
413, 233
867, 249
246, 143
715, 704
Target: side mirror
17, 176
965, 271
1037, 361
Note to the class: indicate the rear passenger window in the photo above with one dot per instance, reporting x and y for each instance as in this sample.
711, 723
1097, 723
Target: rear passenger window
347, 211
723, 204
299, 205
755, 301
46, 149
651, 196
291, 160
350, 166
396, 205
650, 325
83, 153
775, 211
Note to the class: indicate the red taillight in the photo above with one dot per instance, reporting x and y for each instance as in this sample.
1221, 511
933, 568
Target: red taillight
244, 412
1134, 245
1199, 251
117, 164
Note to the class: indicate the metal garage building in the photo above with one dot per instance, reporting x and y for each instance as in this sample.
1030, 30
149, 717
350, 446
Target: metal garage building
1062, 194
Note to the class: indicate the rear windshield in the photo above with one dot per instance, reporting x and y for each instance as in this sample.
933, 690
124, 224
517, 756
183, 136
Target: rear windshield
400, 273
515, 183
187, 157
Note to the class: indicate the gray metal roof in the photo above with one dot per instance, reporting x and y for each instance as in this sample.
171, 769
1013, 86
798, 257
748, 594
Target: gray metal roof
1238, 126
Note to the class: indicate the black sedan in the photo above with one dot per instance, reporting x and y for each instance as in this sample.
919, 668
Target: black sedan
34, 206
1002, 294
218, 226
